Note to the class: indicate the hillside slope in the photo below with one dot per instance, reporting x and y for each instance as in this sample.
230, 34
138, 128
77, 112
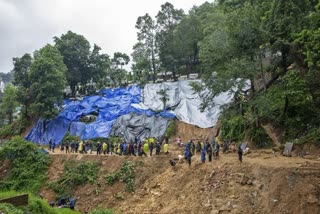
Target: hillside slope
263, 183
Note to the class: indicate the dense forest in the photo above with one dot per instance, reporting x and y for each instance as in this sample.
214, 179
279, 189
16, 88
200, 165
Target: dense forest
265, 52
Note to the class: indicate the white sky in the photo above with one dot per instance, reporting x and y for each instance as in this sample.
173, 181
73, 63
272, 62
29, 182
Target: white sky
27, 25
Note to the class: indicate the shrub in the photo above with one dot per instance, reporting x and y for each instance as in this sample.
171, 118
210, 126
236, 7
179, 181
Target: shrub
74, 175
9, 209
29, 165
126, 174
102, 211
171, 129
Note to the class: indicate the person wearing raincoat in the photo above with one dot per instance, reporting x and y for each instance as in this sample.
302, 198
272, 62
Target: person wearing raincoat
104, 147
166, 148
81, 147
146, 147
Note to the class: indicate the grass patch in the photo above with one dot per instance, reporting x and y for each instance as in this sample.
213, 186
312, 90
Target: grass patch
126, 174
29, 166
74, 175
35, 206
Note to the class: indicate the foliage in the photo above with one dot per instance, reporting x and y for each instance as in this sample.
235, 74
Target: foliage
74, 175
9, 209
47, 74
29, 165
75, 50
102, 211
171, 129
126, 174
164, 97
9, 102
6, 131
35, 205
145, 51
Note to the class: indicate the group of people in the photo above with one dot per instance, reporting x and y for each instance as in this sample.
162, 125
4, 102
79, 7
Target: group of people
137, 148
205, 149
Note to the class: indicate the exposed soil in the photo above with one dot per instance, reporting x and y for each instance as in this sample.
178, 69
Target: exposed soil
265, 182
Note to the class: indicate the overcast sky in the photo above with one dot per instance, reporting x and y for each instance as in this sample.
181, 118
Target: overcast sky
27, 25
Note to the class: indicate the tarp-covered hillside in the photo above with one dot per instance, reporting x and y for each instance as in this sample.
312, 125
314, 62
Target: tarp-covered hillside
127, 112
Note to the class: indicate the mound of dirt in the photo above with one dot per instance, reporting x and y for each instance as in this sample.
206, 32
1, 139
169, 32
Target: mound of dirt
263, 183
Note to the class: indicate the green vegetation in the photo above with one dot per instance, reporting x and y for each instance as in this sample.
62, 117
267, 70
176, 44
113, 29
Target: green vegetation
102, 211
29, 166
35, 206
74, 175
171, 129
126, 174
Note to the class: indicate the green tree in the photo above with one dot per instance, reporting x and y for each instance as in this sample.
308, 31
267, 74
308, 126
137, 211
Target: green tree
141, 64
167, 19
99, 64
146, 36
48, 77
9, 102
21, 69
75, 50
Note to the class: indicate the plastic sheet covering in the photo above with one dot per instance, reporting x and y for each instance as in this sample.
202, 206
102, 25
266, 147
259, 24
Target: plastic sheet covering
97, 129
77, 128
184, 102
54, 129
141, 126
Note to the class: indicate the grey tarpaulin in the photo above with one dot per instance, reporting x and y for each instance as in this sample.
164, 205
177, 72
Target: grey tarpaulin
184, 102
130, 125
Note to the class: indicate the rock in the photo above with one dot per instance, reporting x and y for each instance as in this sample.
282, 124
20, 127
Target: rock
156, 185
254, 194
212, 174
207, 205
224, 208
229, 204
214, 212
312, 199
233, 197
249, 182
244, 180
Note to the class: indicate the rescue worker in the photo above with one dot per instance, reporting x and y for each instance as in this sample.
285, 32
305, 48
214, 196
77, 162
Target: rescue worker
158, 147
98, 148
240, 152
81, 147
146, 148
203, 154
166, 148
151, 148
209, 151
104, 148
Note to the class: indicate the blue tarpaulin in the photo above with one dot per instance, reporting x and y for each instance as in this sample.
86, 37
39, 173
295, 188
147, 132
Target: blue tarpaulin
109, 106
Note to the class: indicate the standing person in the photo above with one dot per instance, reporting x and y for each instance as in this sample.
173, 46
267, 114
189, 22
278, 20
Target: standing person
198, 147
209, 151
225, 146
98, 148
217, 150
166, 139
132, 146
90, 147
193, 147
178, 140
62, 146
139, 149
50, 144
67, 147
53, 146
203, 154
151, 148
76, 146
187, 155
158, 148
240, 153
104, 148
81, 147
166, 148
146, 148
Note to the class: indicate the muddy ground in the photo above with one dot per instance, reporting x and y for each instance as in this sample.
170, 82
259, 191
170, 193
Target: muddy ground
265, 182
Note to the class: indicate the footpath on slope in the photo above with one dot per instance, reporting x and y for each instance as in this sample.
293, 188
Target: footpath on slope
265, 182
